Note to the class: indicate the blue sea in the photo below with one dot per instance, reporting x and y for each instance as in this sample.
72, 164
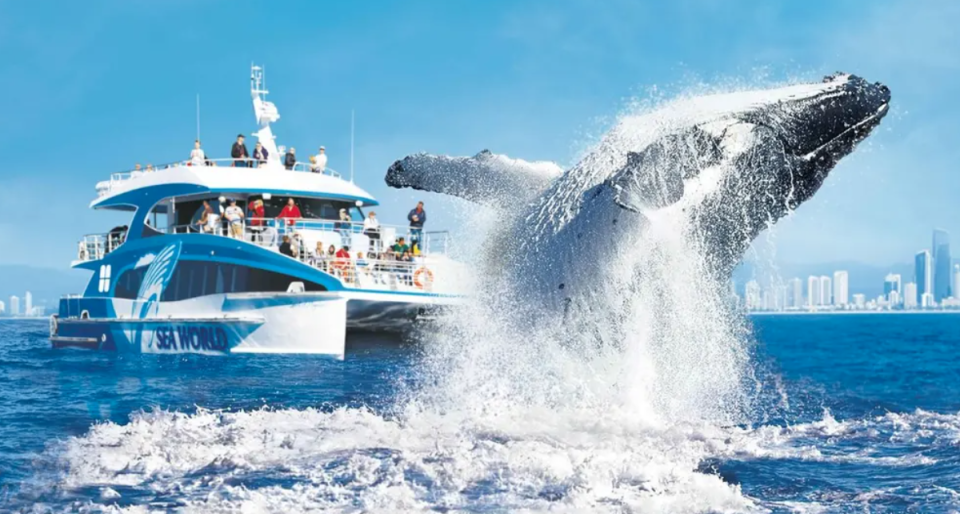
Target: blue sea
848, 413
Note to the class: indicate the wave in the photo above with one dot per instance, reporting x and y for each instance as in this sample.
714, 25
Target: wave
349, 459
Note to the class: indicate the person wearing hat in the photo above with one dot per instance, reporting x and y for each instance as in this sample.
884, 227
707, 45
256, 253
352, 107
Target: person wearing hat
239, 153
234, 217
321, 161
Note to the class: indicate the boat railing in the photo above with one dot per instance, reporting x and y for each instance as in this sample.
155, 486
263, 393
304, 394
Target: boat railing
417, 274
269, 232
104, 188
93, 247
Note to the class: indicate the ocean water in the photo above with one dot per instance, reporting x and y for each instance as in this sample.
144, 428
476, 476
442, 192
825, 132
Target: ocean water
846, 413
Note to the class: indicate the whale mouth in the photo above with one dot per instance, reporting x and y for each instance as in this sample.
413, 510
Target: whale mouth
845, 111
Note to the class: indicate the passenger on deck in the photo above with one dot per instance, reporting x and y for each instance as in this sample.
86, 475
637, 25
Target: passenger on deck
344, 263
150, 168
363, 269
343, 226
239, 153
255, 215
197, 157
291, 212
417, 217
371, 229
331, 259
399, 248
321, 161
234, 216
286, 248
290, 159
210, 219
406, 267
319, 259
296, 243
260, 154
137, 169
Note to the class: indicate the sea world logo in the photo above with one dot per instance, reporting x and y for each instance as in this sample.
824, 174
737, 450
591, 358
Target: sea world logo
191, 338
155, 280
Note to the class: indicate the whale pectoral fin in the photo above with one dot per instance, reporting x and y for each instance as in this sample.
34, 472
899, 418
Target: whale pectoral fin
653, 178
485, 178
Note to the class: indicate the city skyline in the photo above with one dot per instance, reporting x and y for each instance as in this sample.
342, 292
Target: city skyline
29, 309
935, 284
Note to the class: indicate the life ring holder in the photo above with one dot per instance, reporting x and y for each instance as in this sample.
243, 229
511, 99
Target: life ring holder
419, 282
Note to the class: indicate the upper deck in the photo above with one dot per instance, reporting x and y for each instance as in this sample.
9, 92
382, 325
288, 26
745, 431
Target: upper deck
142, 189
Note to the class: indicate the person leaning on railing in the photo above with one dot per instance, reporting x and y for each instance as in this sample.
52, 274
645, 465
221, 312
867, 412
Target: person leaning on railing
239, 153
371, 229
260, 154
290, 160
197, 157
319, 162
290, 212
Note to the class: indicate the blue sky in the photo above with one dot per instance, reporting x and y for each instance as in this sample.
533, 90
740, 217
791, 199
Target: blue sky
92, 87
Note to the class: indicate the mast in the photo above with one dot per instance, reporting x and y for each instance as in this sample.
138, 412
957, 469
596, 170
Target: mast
198, 116
266, 114
351, 145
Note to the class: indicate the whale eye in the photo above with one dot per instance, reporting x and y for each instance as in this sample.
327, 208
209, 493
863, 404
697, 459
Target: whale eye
561, 286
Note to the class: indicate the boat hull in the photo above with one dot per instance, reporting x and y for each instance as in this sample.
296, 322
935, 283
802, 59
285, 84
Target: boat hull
306, 323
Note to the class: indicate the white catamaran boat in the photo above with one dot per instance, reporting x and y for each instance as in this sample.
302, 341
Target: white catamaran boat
177, 280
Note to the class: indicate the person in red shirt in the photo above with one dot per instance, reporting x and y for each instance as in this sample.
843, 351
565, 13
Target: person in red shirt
255, 220
291, 212
344, 264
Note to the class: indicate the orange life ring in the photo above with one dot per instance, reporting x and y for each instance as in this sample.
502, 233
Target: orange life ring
419, 273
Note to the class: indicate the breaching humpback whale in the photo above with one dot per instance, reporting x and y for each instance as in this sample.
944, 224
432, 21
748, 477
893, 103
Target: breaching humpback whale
730, 165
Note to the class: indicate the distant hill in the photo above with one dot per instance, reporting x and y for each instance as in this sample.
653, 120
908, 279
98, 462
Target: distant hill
46, 284
864, 278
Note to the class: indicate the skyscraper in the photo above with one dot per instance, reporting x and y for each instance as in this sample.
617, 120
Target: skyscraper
941, 264
796, 293
28, 304
923, 273
826, 291
813, 291
910, 295
14, 306
841, 285
956, 281
3, 307
892, 282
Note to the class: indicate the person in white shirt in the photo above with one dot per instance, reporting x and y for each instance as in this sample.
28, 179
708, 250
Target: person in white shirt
371, 229
321, 161
197, 157
234, 216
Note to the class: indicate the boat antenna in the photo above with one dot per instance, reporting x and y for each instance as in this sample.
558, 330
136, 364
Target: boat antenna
351, 144
198, 116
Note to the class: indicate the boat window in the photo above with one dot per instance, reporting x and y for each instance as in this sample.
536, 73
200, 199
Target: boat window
128, 285
192, 279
